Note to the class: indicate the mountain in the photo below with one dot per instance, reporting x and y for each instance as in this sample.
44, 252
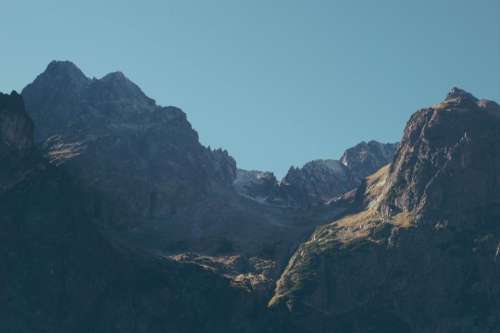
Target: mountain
317, 182
152, 185
420, 251
61, 273
367, 157
255, 184
131, 152
118, 141
116, 219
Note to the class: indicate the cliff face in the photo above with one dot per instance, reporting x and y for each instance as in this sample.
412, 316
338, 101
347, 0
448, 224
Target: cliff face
119, 143
448, 161
420, 253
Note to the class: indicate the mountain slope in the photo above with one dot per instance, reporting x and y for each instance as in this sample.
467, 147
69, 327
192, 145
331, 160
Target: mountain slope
60, 273
420, 254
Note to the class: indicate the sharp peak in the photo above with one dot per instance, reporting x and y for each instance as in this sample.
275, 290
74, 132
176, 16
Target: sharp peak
458, 94
63, 66
118, 80
115, 76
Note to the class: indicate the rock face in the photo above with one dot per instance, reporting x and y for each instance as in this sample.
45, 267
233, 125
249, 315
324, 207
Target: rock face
421, 251
255, 184
317, 182
447, 162
367, 157
119, 143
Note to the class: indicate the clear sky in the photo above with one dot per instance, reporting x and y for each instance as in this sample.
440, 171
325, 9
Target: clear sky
277, 83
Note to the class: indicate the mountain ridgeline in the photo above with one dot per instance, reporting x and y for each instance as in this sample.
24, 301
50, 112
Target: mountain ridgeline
318, 181
421, 251
116, 219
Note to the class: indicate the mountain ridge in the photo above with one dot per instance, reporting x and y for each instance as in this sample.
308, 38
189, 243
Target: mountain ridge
132, 225
418, 254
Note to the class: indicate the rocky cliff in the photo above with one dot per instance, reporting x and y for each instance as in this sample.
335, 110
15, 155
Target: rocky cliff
420, 253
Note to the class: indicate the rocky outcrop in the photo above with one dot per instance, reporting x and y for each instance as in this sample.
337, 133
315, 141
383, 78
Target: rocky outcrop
419, 254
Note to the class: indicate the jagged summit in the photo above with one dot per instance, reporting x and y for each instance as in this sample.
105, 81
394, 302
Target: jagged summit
62, 66
62, 100
458, 94
116, 75
446, 156
116, 86
63, 72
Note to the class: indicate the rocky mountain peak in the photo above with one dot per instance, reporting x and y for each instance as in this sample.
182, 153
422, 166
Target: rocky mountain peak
16, 128
447, 160
116, 86
424, 234
62, 73
366, 157
457, 94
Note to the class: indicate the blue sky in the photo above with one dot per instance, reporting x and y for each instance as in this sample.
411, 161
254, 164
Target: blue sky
277, 83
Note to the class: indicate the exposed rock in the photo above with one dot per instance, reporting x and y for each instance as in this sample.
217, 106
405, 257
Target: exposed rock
447, 153
318, 182
418, 255
367, 157
151, 183
119, 143
255, 184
